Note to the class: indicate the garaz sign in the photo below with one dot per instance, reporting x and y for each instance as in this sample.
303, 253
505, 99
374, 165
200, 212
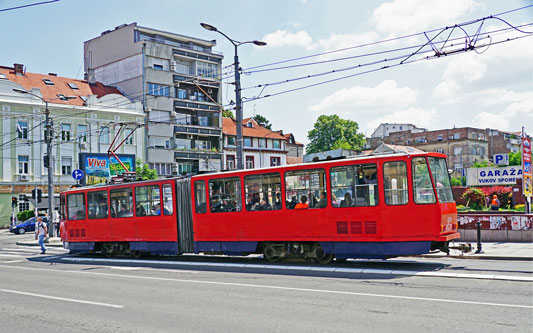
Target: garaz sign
493, 176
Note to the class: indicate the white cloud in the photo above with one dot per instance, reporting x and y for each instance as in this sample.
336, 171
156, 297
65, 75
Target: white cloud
281, 38
399, 17
385, 94
417, 116
512, 118
341, 41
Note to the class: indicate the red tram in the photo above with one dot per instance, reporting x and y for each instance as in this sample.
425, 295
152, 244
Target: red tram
364, 207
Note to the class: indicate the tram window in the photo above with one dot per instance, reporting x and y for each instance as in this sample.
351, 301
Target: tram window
62, 205
76, 206
441, 178
225, 195
422, 187
199, 197
147, 201
304, 184
354, 185
97, 204
263, 192
168, 200
121, 202
395, 183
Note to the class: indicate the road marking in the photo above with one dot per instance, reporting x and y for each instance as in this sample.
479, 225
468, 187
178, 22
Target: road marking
61, 298
12, 261
258, 286
331, 269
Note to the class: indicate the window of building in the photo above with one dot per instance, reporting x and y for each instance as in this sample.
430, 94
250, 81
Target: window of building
354, 185
72, 86
162, 169
65, 132
457, 151
276, 144
395, 183
473, 150
82, 133
422, 187
158, 67
128, 137
24, 164
76, 206
225, 195
249, 162
66, 165
168, 200
23, 205
248, 142
262, 143
62, 97
185, 168
230, 162
147, 201
439, 150
457, 136
203, 145
158, 90
458, 167
304, 185
263, 192
439, 138
155, 142
205, 69
121, 202
104, 135
231, 141
275, 161
48, 82
199, 197
181, 93
97, 205
22, 129
481, 151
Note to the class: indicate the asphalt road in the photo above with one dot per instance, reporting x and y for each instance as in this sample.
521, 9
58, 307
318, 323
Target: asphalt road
46, 293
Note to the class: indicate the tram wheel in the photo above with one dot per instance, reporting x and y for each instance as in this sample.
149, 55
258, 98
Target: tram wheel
136, 254
271, 254
322, 257
326, 259
106, 251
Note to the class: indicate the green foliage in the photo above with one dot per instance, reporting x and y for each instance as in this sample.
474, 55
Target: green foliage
332, 132
263, 121
458, 181
515, 158
481, 164
475, 198
24, 215
144, 172
228, 114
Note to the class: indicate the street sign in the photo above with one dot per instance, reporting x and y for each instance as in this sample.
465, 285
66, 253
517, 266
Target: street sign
77, 174
501, 159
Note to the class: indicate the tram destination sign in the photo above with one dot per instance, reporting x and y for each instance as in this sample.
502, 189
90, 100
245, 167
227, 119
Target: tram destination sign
493, 176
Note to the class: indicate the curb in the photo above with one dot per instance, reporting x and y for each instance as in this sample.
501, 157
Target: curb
477, 257
24, 243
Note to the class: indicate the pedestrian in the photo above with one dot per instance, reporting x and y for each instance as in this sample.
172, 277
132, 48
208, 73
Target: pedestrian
495, 203
42, 231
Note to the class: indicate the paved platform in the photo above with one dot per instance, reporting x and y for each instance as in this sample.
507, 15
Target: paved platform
52, 241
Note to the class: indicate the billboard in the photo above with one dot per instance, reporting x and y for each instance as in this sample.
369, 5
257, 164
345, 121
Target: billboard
493, 176
99, 168
526, 167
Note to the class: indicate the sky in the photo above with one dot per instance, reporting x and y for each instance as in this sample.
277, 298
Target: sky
342, 46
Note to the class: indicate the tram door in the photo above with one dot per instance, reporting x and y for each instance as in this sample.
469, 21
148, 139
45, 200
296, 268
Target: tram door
184, 215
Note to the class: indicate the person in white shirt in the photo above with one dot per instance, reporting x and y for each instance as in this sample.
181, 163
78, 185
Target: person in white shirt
42, 231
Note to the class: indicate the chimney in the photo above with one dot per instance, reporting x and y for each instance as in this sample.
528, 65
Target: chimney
19, 69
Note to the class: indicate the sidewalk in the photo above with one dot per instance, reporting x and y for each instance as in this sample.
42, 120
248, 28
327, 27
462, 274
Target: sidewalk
491, 251
52, 241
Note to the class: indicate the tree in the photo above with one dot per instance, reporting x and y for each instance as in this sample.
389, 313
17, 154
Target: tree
332, 132
144, 172
263, 121
228, 114
515, 158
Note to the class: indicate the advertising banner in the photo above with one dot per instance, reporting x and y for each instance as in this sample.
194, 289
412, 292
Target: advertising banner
493, 176
99, 168
526, 167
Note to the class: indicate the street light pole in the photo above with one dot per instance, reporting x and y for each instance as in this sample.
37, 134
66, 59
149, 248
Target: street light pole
48, 139
238, 102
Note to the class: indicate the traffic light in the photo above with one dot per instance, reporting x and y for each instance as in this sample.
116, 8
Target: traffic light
14, 202
46, 161
37, 196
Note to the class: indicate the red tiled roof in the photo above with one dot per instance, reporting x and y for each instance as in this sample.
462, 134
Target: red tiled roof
230, 128
49, 92
288, 136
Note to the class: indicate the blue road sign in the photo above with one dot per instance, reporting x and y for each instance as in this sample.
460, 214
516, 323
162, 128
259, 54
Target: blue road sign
77, 174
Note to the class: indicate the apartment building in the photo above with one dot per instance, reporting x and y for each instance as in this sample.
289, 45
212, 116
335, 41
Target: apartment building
177, 78
385, 129
261, 146
85, 119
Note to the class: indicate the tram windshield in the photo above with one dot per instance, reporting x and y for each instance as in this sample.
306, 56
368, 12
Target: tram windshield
441, 179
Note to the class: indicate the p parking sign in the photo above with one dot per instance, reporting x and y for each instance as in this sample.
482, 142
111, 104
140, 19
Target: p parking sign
501, 159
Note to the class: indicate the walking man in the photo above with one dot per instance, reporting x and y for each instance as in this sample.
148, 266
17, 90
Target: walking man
42, 231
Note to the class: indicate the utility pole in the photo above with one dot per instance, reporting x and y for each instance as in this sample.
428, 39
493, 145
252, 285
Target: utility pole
49, 132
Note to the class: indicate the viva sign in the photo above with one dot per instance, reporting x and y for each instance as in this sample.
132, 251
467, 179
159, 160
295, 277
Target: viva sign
99, 168
493, 176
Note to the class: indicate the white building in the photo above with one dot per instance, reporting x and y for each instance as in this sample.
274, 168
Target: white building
86, 123
384, 129
262, 147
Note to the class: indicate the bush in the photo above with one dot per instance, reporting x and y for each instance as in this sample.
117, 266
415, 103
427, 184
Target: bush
520, 207
502, 192
475, 198
24, 215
